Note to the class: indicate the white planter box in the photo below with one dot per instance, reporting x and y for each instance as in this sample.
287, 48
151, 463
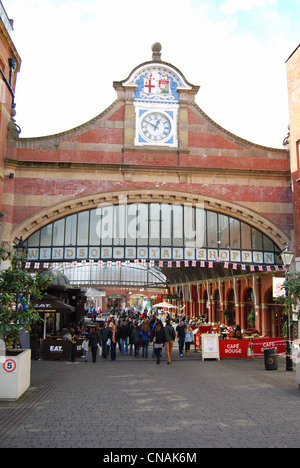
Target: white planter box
15, 369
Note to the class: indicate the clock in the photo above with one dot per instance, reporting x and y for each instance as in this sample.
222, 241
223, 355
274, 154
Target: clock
156, 127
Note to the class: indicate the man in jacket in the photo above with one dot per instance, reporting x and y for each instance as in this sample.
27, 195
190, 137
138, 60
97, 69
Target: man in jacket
169, 340
124, 333
93, 342
180, 335
104, 337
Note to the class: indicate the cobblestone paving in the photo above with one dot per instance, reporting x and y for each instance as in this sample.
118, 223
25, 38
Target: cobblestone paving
134, 403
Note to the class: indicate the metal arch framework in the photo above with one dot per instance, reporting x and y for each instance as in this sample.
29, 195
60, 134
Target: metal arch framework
76, 205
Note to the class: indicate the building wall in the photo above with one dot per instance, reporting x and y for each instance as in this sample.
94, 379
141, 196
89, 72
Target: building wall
293, 79
7, 89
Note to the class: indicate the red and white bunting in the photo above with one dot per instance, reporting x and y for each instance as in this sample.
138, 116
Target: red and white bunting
177, 264
74, 264
194, 263
109, 264
36, 265
118, 263
127, 263
152, 263
186, 263
46, 265
161, 264
169, 264
27, 265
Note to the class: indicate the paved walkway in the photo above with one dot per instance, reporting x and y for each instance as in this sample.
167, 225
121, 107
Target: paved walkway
134, 403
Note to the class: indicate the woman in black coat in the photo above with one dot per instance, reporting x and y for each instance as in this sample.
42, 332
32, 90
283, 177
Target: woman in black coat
158, 340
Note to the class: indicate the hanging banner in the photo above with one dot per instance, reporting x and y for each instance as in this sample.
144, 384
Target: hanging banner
233, 348
260, 344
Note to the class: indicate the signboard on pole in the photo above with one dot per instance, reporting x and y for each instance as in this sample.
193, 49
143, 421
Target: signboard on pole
278, 290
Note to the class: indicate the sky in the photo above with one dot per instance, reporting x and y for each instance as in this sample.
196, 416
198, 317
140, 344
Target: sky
235, 50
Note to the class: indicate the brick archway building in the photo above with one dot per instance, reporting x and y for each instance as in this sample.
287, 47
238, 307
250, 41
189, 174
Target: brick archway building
161, 148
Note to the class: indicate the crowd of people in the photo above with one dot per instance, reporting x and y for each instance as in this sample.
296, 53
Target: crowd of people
132, 335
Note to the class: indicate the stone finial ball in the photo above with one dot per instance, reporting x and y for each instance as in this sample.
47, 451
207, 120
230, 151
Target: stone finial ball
156, 47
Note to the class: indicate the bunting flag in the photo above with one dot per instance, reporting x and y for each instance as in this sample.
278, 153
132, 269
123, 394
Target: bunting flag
243, 267
65, 265
46, 265
91, 262
276, 267
143, 262
252, 268
27, 265
127, 263
268, 268
136, 262
226, 265
109, 264
74, 264
169, 264
178, 264
83, 263
36, 265
218, 259
210, 264
194, 263
152, 263
186, 263
55, 265
234, 266
260, 268
202, 264
100, 263
160, 264
118, 263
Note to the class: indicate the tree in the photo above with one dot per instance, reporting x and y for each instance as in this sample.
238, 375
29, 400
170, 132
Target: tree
19, 290
292, 291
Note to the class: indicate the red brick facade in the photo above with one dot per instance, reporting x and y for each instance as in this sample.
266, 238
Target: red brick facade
65, 173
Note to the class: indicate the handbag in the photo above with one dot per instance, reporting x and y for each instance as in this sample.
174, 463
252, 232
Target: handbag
108, 342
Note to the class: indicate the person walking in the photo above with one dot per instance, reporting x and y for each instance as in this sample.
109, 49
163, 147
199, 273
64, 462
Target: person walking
145, 333
189, 339
112, 336
136, 339
93, 342
104, 337
180, 335
169, 340
85, 347
124, 333
158, 340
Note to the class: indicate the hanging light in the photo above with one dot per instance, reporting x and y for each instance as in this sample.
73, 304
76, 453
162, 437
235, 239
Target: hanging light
287, 256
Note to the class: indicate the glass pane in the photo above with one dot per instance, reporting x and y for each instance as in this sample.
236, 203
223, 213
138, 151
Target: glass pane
177, 225
257, 243
106, 225
235, 234
154, 224
59, 232
200, 221
166, 225
71, 224
131, 224
212, 229
223, 231
83, 228
268, 244
142, 224
94, 227
46, 235
246, 236
119, 224
34, 240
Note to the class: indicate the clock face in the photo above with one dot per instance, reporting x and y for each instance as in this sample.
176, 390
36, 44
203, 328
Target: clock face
156, 126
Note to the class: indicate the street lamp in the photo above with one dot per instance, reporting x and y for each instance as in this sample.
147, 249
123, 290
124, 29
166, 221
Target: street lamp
287, 258
20, 247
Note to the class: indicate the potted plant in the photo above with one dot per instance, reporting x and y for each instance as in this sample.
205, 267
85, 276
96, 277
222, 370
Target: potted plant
251, 318
19, 289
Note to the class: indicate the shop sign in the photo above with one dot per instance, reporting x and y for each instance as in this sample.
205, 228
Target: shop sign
233, 348
260, 344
